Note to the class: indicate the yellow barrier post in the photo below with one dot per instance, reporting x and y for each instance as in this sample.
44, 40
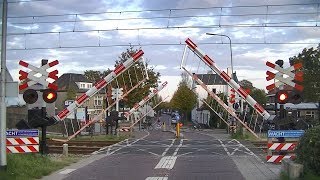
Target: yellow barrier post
178, 130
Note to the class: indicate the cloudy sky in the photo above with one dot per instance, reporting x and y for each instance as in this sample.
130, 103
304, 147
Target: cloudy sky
90, 35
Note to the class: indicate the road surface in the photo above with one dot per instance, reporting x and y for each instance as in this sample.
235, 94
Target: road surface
158, 155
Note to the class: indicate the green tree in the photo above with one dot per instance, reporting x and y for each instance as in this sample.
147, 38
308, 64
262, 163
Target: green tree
310, 59
259, 95
129, 78
95, 76
246, 84
71, 94
135, 74
184, 99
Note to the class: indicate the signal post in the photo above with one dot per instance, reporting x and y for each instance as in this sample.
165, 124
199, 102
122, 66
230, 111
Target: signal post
37, 87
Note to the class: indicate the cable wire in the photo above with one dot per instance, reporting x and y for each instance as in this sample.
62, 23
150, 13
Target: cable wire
161, 44
166, 9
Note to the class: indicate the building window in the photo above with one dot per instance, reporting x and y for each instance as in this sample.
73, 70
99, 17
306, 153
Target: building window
310, 114
89, 86
82, 86
214, 90
98, 100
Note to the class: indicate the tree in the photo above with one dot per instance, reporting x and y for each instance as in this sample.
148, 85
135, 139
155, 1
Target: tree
259, 95
184, 99
95, 76
135, 74
129, 78
246, 84
71, 94
310, 59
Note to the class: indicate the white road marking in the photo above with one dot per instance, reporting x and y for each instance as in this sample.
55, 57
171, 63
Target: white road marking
166, 162
224, 147
66, 171
146, 151
157, 178
121, 147
177, 149
166, 150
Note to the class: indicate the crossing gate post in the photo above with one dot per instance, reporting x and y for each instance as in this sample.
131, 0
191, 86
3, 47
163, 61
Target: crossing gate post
277, 151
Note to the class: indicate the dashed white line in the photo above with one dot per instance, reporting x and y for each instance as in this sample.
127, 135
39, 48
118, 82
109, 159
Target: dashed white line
177, 149
157, 178
224, 147
166, 150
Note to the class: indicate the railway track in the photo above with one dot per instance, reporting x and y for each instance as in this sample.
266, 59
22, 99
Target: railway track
263, 144
78, 147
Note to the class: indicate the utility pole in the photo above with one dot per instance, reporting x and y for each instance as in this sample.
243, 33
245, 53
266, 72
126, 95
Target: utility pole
3, 108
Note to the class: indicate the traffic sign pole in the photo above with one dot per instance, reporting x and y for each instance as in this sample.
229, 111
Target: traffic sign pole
3, 108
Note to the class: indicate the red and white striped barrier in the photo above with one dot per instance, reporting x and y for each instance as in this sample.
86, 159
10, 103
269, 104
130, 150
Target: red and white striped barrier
124, 129
279, 158
282, 146
23, 149
297, 77
232, 98
145, 99
230, 110
24, 144
99, 85
208, 61
35, 70
22, 141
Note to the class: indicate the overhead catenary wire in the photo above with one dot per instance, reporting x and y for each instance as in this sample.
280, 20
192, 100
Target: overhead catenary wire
161, 44
173, 27
165, 17
159, 10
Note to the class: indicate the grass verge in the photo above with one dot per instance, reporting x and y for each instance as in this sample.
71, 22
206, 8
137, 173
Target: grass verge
34, 166
308, 175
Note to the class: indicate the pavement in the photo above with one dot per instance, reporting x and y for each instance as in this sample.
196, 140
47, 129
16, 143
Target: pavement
158, 155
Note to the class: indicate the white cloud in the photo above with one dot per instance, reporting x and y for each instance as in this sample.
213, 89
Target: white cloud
173, 82
160, 67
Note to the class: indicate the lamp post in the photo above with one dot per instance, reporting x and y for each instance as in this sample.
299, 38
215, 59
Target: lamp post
213, 34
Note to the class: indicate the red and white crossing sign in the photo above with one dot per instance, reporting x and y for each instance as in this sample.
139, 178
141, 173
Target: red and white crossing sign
22, 141
290, 80
41, 79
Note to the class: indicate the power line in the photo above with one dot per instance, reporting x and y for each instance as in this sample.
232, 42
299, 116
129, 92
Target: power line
160, 44
170, 27
159, 10
27, 1
167, 17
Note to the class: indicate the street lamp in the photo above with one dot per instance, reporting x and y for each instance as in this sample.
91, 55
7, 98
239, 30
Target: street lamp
212, 34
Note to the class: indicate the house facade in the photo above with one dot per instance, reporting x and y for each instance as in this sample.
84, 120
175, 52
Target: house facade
215, 84
78, 84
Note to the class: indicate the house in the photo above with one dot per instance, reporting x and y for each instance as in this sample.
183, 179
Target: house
214, 83
79, 84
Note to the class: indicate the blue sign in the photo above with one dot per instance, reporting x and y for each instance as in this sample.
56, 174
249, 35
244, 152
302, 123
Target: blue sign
22, 133
285, 133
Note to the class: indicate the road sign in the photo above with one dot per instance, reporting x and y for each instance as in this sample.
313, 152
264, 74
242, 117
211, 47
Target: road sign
20, 133
285, 133
290, 80
24, 76
22, 141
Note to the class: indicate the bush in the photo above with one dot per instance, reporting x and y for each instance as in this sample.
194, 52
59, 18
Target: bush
308, 150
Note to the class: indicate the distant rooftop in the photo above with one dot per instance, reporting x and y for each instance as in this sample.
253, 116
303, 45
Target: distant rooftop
214, 79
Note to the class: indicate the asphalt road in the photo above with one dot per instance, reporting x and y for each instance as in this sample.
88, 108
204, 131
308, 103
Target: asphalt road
158, 155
